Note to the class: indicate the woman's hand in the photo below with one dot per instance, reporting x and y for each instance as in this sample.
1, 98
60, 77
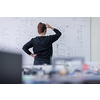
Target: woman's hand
33, 55
48, 26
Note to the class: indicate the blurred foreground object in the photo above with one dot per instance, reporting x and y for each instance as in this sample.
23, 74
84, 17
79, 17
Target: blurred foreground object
10, 68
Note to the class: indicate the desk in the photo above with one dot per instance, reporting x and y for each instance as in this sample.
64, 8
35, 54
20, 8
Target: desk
73, 78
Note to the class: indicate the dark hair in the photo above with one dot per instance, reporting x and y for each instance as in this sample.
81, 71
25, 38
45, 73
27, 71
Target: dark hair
41, 27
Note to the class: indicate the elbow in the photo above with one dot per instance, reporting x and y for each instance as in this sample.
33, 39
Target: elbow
23, 48
60, 33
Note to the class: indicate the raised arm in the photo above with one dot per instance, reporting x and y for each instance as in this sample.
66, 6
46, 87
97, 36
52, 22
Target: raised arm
56, 36
48, 26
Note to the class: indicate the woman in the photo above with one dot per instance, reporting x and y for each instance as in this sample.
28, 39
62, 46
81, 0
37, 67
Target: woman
42, 45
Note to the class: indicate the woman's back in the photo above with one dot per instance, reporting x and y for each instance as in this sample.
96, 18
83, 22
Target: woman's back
42, 46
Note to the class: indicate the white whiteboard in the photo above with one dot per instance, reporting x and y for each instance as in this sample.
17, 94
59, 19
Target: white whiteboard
75, 39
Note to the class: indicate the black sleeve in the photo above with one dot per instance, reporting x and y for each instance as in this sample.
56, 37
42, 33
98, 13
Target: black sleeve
27, 46
56, 36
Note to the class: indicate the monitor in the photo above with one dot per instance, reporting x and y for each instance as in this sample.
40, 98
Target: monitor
10, 68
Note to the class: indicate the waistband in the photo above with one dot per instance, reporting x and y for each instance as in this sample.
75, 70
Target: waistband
41, 59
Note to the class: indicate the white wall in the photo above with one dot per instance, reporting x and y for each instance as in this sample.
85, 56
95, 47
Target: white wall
95, 39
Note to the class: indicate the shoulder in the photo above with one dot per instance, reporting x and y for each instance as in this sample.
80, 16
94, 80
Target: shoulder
34, 38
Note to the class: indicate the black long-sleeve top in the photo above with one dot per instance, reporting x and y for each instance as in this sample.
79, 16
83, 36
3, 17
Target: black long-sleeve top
42, 45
